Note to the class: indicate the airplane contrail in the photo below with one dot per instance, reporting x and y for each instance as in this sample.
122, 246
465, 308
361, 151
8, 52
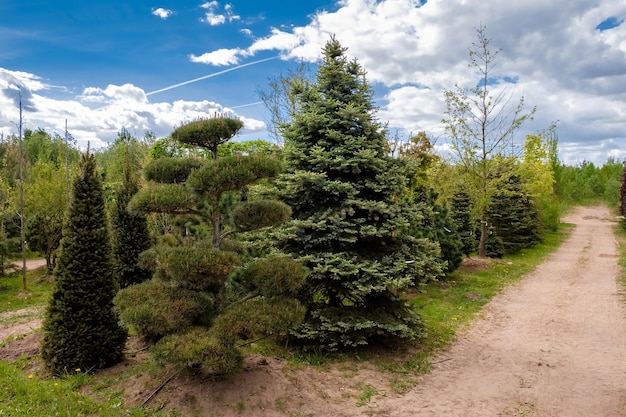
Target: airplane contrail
245, 105
210, 75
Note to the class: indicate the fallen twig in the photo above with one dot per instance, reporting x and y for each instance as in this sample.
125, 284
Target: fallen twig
156, 391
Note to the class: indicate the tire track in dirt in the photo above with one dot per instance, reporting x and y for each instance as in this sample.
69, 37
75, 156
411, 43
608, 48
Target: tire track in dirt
553, 345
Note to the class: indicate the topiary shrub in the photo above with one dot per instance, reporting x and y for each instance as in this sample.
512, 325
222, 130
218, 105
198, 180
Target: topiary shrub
155, 309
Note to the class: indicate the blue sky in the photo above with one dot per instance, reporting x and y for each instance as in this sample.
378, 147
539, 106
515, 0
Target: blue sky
101, 65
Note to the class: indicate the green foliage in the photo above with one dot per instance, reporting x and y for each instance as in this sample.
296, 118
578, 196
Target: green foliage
125, 151
586, 183
168, 147
256, 214
208, 133
130, 234
462, 215
171, 170
513, 217
202, 194
259, 317
200, 350
276, 276
438, 226
165, 198
351, 221
197, 267
250, 147
481, 128
80, 328
622, 194
155, 308
231, 174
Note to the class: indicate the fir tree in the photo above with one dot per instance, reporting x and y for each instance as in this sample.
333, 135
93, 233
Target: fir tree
130, 233
81, 331
351, 218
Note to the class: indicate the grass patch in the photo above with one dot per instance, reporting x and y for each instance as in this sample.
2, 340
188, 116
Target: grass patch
620, 235
13, 297
29, 395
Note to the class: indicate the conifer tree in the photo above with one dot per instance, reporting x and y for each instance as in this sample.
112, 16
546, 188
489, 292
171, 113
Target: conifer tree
462, 215
351, 215
513, 218
81, 331
438, 226
130, 233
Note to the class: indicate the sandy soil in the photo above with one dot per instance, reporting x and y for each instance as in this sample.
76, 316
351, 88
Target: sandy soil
552, 346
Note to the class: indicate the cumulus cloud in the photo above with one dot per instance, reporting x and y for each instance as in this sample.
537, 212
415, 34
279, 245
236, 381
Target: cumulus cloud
96, 115
162, 13
567, 58
219, 57
213, 16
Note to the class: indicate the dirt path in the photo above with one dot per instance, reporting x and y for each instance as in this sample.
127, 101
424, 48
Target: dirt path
554, 345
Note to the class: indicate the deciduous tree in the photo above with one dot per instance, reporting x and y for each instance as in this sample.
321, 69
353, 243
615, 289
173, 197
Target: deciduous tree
481, 127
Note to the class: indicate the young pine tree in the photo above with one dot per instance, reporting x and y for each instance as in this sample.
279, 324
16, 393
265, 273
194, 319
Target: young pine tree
351, 215
81, 331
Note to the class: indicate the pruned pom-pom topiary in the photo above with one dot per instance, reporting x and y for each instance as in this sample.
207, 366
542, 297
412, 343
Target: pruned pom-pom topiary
259, 317
171, 170
199, 268
208, 133
155, 309
232, 174
256, 214
163, 198
276, 276
200, 350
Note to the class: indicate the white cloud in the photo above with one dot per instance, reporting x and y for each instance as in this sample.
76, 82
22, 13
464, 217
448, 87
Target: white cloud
98, 114
214, 18
219, 57
413, 52
162, 13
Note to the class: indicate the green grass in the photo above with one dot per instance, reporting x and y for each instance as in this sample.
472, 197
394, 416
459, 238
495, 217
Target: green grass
26, 394
13, 297
620, 234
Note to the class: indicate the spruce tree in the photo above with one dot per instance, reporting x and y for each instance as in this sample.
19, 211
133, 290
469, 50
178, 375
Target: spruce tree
81, 331
130, 233
513, 218
351, 215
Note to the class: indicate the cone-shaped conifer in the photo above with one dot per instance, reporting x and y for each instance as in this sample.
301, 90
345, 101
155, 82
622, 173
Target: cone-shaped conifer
130, 234
351, 220
81, 331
